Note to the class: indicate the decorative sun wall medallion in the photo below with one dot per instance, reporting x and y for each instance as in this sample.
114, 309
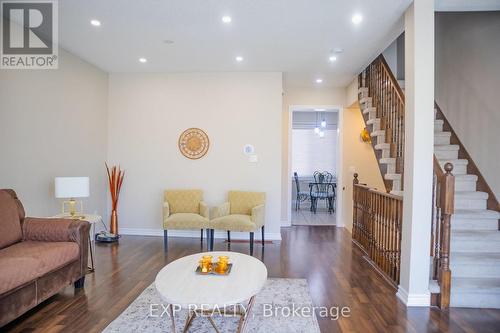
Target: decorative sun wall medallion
194, 143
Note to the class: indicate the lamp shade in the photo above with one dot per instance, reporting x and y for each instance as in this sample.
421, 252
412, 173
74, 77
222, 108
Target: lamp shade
71, 187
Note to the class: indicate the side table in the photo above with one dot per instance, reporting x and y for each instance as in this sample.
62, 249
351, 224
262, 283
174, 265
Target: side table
93, 220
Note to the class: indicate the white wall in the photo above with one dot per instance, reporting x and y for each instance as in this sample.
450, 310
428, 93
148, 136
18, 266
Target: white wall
391, 57
468, 81
148, 112
358, 156
312, 153
53, 123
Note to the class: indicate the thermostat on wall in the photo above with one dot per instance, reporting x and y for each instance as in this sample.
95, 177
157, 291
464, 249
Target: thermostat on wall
248, 150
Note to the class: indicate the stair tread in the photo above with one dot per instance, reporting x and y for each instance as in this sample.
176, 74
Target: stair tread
372, 121
392, 176
381, 146
387, 160
454, 161
376, 133
476, 214
467, 177
480, 258
442, 133
446, 147
396, 192
475, 284
367, 110
471, 195
483, 235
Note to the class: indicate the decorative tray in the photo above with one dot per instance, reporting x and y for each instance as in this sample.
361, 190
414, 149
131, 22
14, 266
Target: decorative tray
214, 271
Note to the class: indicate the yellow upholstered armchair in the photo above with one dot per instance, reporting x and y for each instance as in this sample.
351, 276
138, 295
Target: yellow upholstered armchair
244, 211
185, 210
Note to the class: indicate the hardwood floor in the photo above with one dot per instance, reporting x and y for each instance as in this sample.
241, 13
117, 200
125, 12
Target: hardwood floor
336, 271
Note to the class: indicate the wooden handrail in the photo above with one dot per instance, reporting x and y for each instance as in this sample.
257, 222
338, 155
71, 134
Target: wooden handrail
388, 99
377, 221
394, 81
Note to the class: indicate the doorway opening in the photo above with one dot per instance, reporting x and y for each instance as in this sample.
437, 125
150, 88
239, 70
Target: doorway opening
314, 165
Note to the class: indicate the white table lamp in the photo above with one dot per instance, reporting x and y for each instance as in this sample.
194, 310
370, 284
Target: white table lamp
71, 188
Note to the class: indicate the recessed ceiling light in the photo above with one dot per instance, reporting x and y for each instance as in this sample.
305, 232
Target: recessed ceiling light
226, 19
95, 23
357, 18
332, 58
239, 59
168, 41
143, 60
338, 50
319, 80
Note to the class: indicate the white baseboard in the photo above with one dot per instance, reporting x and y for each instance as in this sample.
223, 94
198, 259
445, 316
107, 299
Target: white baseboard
410, 300
272, 236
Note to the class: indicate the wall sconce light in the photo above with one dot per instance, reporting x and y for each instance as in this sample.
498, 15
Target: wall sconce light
365, 136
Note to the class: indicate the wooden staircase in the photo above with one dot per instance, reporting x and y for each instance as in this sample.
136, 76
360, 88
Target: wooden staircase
466, 213
382, 103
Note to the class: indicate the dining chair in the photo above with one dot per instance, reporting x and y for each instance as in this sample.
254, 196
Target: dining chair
301, 195
322, 189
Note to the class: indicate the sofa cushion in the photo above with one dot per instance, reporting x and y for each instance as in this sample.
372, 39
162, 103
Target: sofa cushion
10, 225
184, 201
234, 222
243, 202
26, 261
185, 221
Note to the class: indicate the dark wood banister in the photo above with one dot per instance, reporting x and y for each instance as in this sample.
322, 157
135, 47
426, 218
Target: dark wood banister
443, 206
376, 228
396, 141
395, 82
472, 168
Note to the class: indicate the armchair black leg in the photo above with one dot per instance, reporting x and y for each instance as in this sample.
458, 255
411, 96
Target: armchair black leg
208, 239
229, 236
212, 233
201, 235
165, 240
80, 283
251, 243
262, 230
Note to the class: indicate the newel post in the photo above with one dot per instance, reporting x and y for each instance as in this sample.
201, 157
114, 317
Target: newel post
355, 199
447, 209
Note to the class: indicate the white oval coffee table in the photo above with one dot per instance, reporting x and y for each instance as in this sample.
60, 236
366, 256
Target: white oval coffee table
179, 285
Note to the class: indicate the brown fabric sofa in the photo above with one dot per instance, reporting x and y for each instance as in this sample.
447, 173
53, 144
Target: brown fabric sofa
38, 257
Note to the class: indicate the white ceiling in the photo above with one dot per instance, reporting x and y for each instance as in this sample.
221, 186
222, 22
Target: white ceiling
291, 36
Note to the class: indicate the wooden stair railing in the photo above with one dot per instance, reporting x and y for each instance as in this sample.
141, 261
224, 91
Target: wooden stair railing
376, 229
377, 216
388, 100
443, 197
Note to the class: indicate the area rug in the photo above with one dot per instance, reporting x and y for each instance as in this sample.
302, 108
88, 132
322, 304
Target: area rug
282, 306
